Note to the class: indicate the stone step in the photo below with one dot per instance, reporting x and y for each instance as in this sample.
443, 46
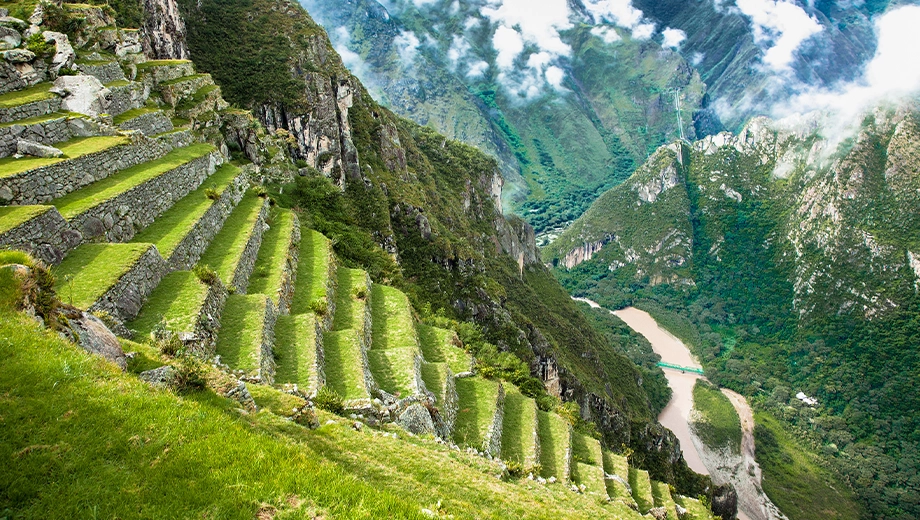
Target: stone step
395, 357
232, 253
34, 180
114, 278
116, 207
150, 121
520, 437
126, 95
314, 289
186, 230
47, 129
175, 90
275, 270
32, 102
247, 335
443, 346
106, 71
39, 230
555, 446
186, 306
588, 464
300, 356
345, 365
616, 469
661, 494
206, 99
641, 487
154, 72
479, 415
442, 384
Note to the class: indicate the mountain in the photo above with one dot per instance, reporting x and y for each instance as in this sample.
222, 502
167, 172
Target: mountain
788, 254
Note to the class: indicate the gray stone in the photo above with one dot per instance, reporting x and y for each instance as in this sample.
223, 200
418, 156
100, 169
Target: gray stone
4, 12
241, 394
9, 38
162, 377
6, 194
64, 56
19, 56
658, 513
26, 147
94, 337
416, 419
82, 94
13, 23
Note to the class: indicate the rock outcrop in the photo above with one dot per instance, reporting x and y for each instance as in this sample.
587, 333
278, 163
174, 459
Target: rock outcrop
164, 31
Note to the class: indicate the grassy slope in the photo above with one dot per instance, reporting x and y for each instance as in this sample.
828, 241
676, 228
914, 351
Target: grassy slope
92, 269
240, 337
554, 443
224, 254
312, 271
477, 398
794, 479
295, 349
641, 488
29, 95
72, 149
351, 300
718, 423
269, 267
13, 216
343, 364
442, 346
176, 301
518, 427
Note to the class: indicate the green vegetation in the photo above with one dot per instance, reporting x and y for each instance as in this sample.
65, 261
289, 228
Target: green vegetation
474, 418
794, 477
134, 113
350, 300
182, 79
393, 326
170, 228
273, 254
394, 370
443, 346
641, 489
662, 497
434, 375
587, 464
312, 271
228, 246
175, 304
14, 216
77, 202
344, 374
518, 428
619, 466
72, 149
716, 423
239, 342
37, 120
92, 269
295, 351
142, 67
30, 95
555, 440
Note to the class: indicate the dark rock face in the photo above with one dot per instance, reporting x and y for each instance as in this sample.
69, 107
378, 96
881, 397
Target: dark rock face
164, 31
96, 338
725, 502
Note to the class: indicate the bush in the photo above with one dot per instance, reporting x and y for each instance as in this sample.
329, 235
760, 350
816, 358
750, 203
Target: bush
189, 375
329, 400
37, 44
205, 274
60, 20
319, 307
212, 193
166, 341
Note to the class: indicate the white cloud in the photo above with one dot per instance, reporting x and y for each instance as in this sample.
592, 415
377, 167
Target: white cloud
606, 33
458, 50
407, 44
477, 69
780, 27
623, 14
554, 76
509, 44
539, 21
673, 38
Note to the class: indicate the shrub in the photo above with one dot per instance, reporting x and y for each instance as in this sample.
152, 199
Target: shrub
212, 193
37, 44
189, 375
329, 400
319, 307
166, 341
205, 274
58, 19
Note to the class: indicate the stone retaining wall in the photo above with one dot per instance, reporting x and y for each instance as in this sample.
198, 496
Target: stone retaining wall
158, 74
204, 340
533, 460
493, 440
208, 226
22, 75
126, 97
48, 237
120, 218
289, 275
46, 132
567, 464
331, 287
366, 338
27, 110
125, 299
266, 355
177, 139
108, 72
420, 388
173, 93
150, 124
451, 404
41, 185
248, 260
319, 363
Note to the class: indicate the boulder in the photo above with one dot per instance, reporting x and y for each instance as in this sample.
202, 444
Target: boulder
82, 94
162, 377
241, 394
658, 513
64, 56
19, 56
13, 23
416, 419
94, 337
9, 38
26, 147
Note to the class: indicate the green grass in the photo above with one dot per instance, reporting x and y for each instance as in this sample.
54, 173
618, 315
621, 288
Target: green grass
661, 494
587, 463
350, 305
182, 79
72, 149
617, 465
35, 120
117, 84
343, 364
586, 449
477, 399
641, 489
176, 302
695, 509
589, 476
274, 400
197, 98
520, 423
555, 440
159, 63
435, 376
394, 370
717, 423
227, 246
13, 216
794, 478
30, 95
133, 113
443, 346
170, 228
77, 431
77, 202
295, 351
239, 341
312, 271
92, 269
393, 326
273, 254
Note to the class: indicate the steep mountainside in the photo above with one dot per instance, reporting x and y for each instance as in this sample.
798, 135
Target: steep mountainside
794, 259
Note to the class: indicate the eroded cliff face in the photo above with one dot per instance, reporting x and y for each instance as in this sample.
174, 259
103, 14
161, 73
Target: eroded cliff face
164, 31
